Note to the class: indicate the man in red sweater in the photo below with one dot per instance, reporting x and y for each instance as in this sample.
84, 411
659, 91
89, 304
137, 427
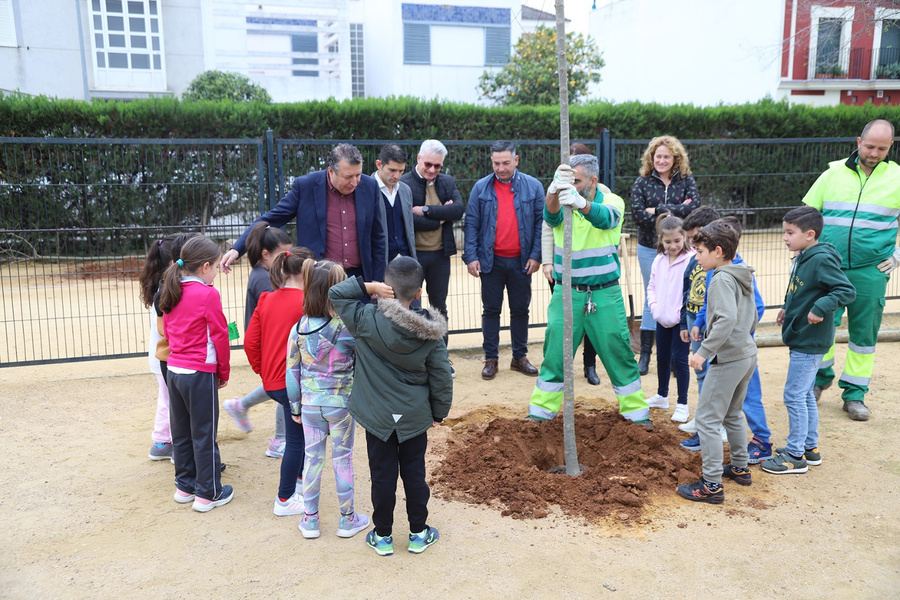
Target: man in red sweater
503, 249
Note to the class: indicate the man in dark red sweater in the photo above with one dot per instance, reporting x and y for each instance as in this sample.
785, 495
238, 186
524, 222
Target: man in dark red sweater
503, 249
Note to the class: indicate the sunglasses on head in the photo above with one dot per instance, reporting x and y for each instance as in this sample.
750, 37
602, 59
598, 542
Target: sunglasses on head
435, 166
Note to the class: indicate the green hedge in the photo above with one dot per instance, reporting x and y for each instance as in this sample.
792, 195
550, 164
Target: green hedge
407, 118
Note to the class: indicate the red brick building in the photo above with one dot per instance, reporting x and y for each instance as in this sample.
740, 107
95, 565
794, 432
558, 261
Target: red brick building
841, 52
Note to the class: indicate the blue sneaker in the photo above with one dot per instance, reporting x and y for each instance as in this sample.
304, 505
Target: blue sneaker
758, 451
692, 443
419, 541
383, 546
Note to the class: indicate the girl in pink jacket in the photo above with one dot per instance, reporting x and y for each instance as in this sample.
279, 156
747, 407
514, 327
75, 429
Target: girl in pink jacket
665, 299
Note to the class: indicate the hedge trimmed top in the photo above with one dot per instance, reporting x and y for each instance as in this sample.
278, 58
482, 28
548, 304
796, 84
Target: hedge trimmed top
409, 118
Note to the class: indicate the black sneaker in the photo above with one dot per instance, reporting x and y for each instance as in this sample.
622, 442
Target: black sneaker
699, 492
736, 474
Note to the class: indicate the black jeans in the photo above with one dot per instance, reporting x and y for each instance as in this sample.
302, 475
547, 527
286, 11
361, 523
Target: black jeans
386, 461
294, 446
437, 279
506, 274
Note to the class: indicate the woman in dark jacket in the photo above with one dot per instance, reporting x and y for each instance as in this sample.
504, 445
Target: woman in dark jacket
665, 185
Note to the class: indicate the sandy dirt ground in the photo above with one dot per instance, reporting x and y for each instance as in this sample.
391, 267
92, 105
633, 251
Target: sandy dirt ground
85, 514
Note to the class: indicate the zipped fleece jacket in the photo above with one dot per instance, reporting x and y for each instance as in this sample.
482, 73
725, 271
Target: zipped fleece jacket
197, 331
817, 285
664, 290
651, 192
860, 213
402, 381
731, 314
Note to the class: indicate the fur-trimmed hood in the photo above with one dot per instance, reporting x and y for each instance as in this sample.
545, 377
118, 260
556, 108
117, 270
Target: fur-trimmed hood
424, 323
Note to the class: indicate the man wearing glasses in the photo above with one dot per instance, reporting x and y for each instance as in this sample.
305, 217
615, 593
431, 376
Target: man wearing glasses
436, 205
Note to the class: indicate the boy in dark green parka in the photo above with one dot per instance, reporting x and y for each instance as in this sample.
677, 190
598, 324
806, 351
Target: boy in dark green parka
402, 386
817, 287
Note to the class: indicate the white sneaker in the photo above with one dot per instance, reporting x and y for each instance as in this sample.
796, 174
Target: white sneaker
681, 414
689, 427
658, 401
292, 506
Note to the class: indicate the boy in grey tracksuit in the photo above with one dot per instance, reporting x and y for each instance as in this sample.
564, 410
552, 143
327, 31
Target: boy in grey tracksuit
731, 351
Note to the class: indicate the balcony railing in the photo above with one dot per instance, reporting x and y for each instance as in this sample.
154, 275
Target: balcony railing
859, 65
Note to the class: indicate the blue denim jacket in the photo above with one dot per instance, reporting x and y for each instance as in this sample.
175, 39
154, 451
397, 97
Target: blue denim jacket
481, 219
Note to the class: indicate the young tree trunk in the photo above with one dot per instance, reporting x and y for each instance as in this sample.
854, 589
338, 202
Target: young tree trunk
572, 467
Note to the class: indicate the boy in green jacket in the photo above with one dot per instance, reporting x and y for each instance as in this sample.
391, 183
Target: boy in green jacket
817, 287
401, 386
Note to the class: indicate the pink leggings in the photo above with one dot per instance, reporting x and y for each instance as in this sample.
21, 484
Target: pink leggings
161, 433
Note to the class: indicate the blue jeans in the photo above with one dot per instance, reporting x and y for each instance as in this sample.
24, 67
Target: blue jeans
294, 447
701, 374
506, 274
800, 401
646, 256
754, 410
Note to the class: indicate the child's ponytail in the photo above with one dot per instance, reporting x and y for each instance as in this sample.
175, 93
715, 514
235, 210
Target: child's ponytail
197, 251
159, 255
318, 277
288, 264
262, 237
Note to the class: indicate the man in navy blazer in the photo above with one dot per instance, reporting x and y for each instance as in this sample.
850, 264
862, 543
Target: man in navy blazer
337, 216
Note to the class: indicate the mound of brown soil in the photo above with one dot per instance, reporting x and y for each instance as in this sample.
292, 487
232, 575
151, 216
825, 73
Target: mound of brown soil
624, 466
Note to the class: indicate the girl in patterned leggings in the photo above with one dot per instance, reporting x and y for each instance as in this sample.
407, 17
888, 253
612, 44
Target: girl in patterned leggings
320, 376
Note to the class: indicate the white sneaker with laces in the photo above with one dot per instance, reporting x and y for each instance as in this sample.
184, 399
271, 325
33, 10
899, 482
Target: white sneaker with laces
681, 414
658, 401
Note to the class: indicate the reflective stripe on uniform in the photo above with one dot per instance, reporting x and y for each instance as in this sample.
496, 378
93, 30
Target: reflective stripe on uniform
862, 223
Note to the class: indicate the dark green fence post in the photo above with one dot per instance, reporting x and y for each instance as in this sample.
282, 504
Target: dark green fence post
270, 171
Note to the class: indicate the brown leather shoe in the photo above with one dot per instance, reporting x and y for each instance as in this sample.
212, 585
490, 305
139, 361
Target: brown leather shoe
490, 369
523, 366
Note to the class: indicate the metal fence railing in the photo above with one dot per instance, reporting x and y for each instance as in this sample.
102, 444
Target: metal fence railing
77, 216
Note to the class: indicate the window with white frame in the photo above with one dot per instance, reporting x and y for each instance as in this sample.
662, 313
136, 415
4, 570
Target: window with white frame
127, 40
886, 43
455, 35
829, 47
7, 24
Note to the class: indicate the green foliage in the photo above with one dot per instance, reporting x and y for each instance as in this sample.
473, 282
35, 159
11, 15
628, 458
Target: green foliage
219, 86
409, 118
888, 71
530, 78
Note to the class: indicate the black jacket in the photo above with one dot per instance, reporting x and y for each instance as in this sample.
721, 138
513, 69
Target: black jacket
446, 190
679, 198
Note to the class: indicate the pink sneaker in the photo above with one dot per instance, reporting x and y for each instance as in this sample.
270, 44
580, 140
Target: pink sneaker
237, 411
276, 448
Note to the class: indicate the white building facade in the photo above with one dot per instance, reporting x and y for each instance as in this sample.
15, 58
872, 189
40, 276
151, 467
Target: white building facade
297, 49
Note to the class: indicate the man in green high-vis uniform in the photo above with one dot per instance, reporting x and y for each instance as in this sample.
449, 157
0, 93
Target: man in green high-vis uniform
860, 201
597, 305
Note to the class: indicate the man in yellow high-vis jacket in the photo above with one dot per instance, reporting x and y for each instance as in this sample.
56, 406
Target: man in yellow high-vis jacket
860, 201
598, 309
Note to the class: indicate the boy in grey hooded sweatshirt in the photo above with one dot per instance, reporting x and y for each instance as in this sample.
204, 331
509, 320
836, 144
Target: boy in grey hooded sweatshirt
731, 351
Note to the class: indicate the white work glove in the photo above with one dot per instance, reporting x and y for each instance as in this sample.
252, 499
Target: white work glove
564, 175
572, 199
890, 263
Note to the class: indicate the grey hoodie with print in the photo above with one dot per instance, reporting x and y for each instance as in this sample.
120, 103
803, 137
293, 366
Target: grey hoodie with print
730, 315
402, 379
